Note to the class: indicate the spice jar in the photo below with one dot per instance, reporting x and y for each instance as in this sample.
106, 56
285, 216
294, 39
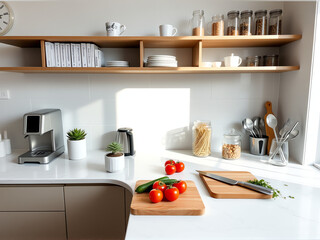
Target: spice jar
198, 23
254, 61
275, 20
233, 23
231, 148
271, 60
217, 25
201, 135
246, 22
261, 22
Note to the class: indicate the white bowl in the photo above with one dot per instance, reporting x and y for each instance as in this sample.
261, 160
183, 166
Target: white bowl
207, 64
216, 64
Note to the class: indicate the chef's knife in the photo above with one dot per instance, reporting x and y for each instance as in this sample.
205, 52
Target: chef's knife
251, 186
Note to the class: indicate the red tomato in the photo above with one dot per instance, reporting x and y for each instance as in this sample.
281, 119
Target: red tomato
181, 185
169, 162
155, 195
170, 169
171, 193
160, 186
179, 166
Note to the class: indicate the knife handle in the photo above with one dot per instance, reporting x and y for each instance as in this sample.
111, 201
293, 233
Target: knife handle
256, 188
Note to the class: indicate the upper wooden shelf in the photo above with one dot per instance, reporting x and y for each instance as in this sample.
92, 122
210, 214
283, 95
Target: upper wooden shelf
157, 42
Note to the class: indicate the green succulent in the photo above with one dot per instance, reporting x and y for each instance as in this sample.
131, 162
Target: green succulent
115, 147
76, 134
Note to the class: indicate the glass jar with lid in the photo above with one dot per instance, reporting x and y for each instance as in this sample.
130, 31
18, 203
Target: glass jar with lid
260, 22
201, 138
275, 22
198, 23
231, 147
246, 22
254, 61
271, 60
216, 26
233, 23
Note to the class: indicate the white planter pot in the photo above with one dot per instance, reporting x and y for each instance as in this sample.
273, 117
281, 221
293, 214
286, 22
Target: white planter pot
114, 164
77, 149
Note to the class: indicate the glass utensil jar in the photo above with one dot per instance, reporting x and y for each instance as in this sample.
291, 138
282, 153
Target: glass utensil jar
254, 61
271, 60
216, 27
246, 23
231, 148
275, 22
233, 23
198, 23
261, 22
201, 138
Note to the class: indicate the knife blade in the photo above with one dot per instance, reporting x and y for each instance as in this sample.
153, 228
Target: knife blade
229, 181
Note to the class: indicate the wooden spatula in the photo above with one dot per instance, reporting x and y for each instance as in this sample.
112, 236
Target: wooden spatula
269, 130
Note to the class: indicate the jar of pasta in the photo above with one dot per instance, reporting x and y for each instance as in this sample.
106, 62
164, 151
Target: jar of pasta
246, 23
201, 138
261, 22
231, 147
233, 23
216, 27
198, 23
275, 20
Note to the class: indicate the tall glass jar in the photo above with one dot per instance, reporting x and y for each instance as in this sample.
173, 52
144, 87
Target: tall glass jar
201, 138
216, 27
198, 23
231, 147
260, 22
275, 22
246, 22
233, 23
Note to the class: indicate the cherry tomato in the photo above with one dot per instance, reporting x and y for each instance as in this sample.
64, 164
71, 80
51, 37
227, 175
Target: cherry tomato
171, 193
155, 195
179, 166
169, 162
160, 186
181, 185
170, 169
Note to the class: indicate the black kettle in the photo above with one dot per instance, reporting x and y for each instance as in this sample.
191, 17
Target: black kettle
125, 137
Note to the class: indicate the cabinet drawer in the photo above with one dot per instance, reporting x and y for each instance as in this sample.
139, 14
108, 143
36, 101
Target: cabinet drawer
31, 198
32, 225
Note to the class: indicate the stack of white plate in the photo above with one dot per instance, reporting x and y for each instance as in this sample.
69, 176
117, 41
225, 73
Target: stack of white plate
162, 61
117, 64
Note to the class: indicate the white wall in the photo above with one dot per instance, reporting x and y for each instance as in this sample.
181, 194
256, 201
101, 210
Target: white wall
158, 107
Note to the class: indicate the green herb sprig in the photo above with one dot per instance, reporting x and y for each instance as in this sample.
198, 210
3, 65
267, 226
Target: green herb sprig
263, 183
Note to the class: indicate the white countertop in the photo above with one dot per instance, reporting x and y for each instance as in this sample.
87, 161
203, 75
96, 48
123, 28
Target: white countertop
297, 218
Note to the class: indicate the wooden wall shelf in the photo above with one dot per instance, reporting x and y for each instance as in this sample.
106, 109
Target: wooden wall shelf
197, 44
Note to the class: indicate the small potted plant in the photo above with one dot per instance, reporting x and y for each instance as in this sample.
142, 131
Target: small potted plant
115, 159
77, 144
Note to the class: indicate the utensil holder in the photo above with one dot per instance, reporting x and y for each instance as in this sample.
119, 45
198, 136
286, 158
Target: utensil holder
258, 146
277, 160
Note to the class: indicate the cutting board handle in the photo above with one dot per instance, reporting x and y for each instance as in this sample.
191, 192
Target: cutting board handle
269, 130
268, 107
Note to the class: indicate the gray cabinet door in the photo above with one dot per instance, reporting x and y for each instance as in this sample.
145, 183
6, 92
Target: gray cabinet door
32, 225
95, 212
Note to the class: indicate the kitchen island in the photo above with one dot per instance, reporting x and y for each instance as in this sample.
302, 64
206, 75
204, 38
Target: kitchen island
290, 218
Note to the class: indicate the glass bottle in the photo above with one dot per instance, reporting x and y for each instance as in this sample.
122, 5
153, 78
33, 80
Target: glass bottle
275, 22
260, 22
198, 23
216, 26
201, 138
233, 23
246, 23
231, 148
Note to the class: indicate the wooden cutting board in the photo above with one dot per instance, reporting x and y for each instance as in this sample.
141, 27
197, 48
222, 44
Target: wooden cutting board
269, 130
188, 203
219, 189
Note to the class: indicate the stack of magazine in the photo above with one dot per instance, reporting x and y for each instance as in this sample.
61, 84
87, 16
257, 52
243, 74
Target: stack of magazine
73, 55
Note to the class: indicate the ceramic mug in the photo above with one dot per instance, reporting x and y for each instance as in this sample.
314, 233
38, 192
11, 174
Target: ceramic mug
167, 30
114, 28
232, 61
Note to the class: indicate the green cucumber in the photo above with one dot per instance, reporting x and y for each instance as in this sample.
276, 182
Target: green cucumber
144, 187
165, 181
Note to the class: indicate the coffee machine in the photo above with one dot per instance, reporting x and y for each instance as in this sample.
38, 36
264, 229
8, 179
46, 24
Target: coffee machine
44, 131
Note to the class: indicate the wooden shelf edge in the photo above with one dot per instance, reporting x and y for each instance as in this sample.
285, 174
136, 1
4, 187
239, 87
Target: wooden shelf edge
146, 70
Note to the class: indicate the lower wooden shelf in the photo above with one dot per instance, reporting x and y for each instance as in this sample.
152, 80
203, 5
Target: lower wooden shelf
150, 70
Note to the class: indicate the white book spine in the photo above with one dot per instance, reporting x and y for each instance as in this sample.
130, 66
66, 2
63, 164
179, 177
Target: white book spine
79, 64
93, 48
89, 54
63, 55
84, 54
57, 54
73, 57
68, 50
48, 54
96, 58
53, 58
